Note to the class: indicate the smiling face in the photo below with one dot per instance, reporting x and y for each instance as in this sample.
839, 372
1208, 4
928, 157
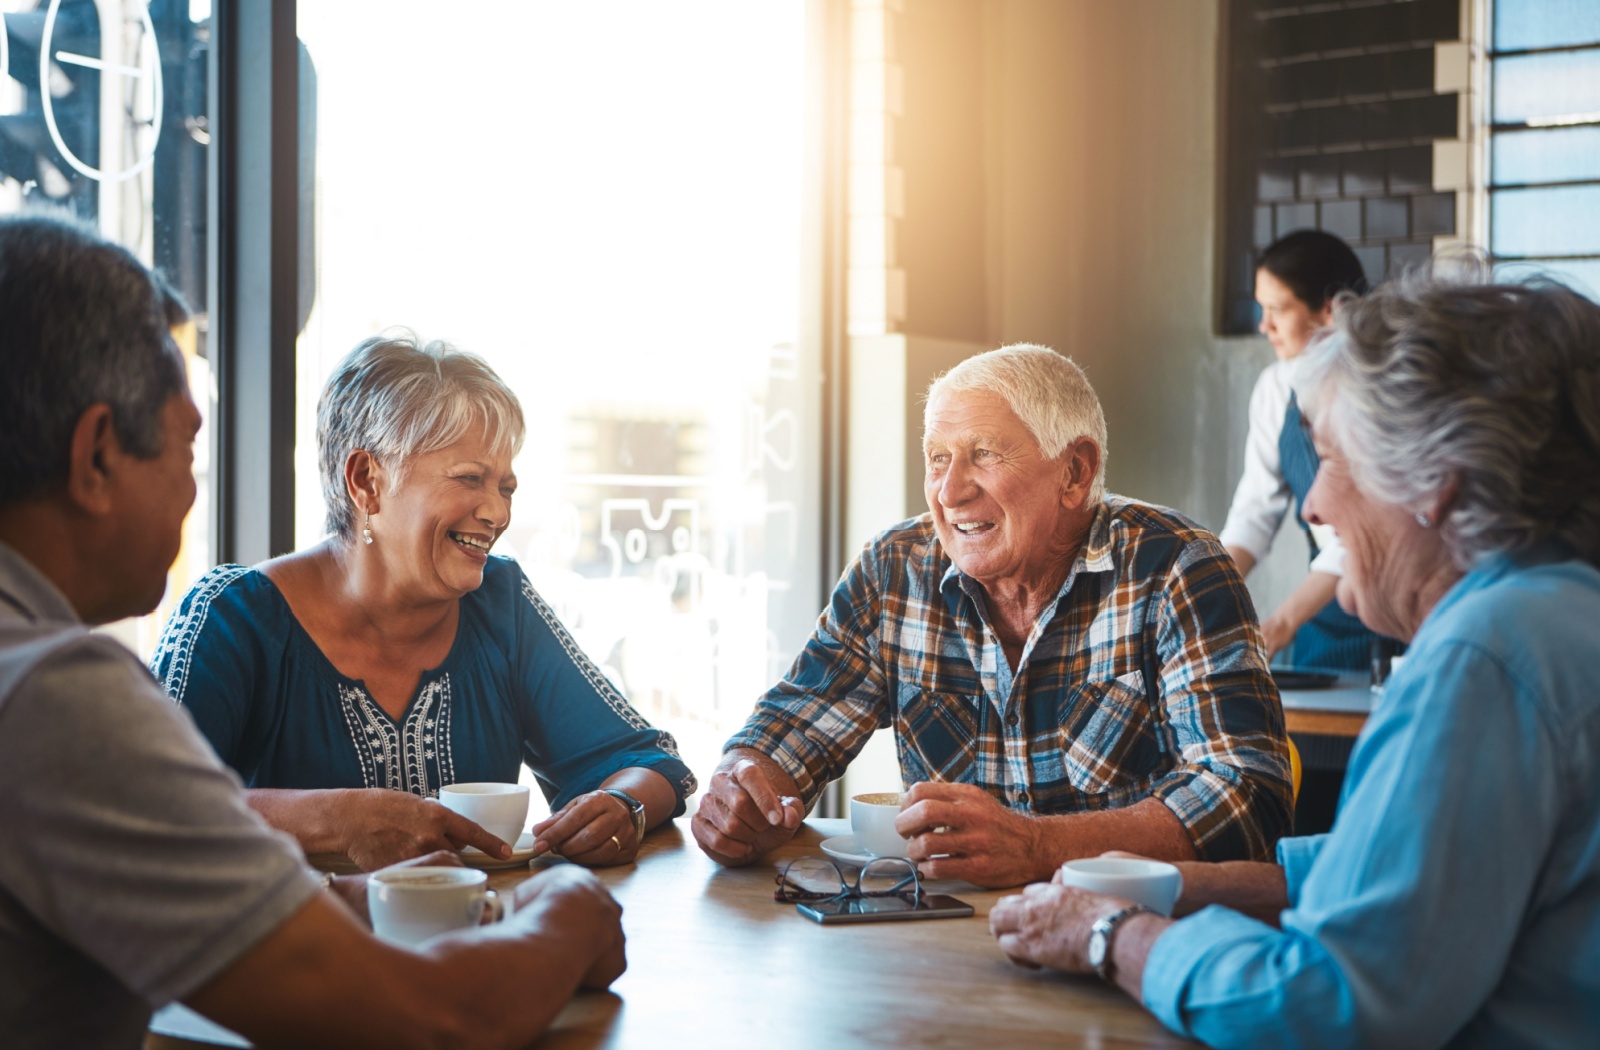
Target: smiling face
435, 528
1003, 512
1388, 554
1286, 321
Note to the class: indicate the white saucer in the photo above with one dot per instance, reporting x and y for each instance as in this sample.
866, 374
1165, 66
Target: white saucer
521, 853
846, 849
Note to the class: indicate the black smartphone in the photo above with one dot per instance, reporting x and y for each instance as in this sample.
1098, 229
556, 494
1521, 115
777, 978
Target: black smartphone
884, 909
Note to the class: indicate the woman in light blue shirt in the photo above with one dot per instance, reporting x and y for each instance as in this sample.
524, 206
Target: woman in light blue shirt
1456, 902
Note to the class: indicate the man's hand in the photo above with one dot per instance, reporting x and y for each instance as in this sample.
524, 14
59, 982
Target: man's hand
1048, 925
743, 814
383, 827
573, 899
959, 831
595, 830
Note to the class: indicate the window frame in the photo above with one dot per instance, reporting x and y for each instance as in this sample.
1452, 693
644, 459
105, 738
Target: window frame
254, 281
1484, 27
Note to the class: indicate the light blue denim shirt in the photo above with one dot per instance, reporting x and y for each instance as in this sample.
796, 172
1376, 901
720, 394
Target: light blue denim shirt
1456, 902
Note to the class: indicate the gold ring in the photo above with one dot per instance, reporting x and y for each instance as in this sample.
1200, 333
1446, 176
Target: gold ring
617, 844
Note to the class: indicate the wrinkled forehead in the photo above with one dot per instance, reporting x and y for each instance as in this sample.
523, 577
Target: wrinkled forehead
966, 416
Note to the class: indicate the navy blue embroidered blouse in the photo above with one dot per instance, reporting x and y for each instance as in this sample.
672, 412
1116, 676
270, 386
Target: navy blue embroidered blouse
514, 688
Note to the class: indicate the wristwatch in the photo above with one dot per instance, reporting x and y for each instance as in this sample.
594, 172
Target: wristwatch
635, 810
1100, 937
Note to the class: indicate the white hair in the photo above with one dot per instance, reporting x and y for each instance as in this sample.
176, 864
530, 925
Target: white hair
397, 398
1047, 391
1432, 381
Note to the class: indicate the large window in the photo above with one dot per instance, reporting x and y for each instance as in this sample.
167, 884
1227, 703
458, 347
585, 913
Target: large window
1544, 191
603, 200
102, 114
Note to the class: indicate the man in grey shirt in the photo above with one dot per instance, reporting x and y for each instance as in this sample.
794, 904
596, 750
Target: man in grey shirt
132, 873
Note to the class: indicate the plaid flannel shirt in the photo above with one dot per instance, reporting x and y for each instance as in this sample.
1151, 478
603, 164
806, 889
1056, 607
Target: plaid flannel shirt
905, 642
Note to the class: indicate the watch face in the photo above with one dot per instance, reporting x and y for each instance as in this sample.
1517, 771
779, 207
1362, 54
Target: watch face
1097, 948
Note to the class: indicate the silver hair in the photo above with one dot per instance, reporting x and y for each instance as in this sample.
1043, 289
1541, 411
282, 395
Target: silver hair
396, 397
1436, 379
1047, 391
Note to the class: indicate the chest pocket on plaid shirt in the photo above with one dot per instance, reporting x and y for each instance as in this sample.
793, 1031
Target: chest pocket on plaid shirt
936, 735
1108, 739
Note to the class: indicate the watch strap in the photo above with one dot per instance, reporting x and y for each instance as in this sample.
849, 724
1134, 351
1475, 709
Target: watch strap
635, 810
1106, 928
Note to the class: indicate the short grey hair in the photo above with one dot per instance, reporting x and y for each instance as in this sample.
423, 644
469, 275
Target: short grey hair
1435, 379
82, 322
396, 397
1047, 391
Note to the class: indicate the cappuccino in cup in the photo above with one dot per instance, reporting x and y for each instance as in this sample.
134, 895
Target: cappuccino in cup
872, 819
411, 905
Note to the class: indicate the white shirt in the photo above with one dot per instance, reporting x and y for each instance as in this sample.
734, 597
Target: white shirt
1263, 496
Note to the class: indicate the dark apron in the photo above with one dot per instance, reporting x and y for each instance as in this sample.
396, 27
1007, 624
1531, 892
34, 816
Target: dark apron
1332, 638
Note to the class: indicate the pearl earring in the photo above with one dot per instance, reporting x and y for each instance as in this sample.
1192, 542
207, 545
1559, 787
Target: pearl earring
1422, 519
366, 531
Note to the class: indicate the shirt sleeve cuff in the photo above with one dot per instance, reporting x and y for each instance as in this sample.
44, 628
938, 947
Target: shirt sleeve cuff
675, 773
1295, 856
787, 760
1180, 954
1218, 815
291, 893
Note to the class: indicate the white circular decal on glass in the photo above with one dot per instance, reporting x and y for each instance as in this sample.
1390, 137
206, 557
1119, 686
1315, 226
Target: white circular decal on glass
139, 60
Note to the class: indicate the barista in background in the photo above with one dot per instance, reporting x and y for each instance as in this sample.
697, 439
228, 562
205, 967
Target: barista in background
1297, 278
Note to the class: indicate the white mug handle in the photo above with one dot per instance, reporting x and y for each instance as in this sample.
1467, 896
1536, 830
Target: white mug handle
492, 906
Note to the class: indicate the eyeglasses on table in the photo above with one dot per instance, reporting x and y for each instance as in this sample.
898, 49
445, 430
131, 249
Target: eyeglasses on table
812, 879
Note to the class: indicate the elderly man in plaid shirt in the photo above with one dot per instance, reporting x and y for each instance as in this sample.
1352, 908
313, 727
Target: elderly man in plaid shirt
1066, 672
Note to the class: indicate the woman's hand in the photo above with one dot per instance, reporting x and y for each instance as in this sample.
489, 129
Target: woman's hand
1048, 924
1304, 602
594, 829
383, 827
1277, 632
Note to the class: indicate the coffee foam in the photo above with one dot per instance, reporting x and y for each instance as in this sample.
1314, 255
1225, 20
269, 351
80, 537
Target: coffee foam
423, 878
880, 798
481, 789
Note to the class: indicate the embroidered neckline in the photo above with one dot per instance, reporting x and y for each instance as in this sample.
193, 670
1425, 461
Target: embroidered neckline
416, 755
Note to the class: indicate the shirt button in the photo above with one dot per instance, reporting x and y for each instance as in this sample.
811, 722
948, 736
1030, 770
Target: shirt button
1012, 719
1022, 796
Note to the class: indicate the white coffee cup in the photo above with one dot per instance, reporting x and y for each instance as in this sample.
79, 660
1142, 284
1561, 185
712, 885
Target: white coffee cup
410, 905
872, 819
500, 809
1153, 883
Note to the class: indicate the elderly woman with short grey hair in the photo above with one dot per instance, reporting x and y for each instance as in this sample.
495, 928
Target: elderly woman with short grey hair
348, 682
1456, 901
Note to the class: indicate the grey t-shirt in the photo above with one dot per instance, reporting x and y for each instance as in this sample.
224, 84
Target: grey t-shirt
131, 870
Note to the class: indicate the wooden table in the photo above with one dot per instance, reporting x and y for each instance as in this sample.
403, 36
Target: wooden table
714, 961
1340, 710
